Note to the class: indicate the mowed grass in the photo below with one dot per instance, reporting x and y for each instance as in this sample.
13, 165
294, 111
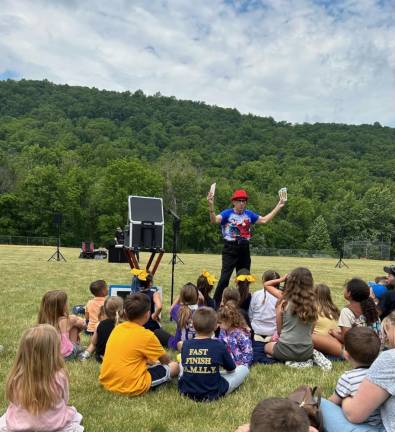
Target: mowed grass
26, 276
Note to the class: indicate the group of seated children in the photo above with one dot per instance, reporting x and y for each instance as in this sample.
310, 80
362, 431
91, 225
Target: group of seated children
126, 336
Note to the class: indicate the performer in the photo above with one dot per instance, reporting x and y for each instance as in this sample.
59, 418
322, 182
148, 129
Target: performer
236, 230
119, 236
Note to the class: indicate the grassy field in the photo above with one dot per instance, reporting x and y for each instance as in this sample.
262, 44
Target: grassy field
26, 276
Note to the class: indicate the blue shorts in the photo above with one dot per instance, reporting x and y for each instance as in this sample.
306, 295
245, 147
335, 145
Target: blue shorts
160, 374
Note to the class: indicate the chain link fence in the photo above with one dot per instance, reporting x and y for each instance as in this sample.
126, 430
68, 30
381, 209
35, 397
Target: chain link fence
31, 241
367, 249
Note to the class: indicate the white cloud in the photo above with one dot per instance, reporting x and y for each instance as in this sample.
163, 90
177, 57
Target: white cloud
294, 60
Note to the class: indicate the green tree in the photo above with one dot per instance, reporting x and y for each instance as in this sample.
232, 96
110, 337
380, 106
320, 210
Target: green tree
318, 238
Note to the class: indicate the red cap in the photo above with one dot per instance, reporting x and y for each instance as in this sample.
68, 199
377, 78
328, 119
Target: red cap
239, 194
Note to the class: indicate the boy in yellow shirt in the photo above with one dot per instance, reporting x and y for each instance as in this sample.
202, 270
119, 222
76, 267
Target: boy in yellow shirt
130, 364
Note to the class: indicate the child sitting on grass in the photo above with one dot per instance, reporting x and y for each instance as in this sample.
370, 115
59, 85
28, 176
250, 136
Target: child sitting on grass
361, 348
360, 312
202, 358
37, 386
130, 363
262, 311
182, 312
112, 314
278, 415
296, 316
243, 280
100, 291
328, 314
205, 284
235, 334
54, 310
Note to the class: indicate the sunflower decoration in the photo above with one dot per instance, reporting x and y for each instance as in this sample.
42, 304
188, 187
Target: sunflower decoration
246, 277
210, 278
141, 274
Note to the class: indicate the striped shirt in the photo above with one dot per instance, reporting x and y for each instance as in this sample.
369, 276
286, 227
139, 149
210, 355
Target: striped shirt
348, 384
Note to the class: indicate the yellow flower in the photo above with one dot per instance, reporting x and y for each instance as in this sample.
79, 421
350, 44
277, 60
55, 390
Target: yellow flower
210, 278
250, 278
140, 273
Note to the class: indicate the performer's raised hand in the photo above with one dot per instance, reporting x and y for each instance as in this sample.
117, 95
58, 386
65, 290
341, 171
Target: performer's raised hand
210, 199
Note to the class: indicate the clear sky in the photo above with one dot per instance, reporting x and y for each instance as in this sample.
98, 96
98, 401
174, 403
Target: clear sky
298, 61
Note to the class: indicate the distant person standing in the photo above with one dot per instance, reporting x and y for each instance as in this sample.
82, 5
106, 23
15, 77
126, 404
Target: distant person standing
119, 236
236, 231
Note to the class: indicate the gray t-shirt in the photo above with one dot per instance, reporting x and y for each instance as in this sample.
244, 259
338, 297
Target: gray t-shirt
382, 373
293, 330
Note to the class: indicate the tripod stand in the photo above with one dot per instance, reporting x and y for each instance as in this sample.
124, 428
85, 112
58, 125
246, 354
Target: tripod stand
57, 255
341, 263
175, 258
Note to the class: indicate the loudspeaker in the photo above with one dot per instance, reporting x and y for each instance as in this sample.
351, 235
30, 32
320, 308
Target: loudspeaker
57, 218
146, 223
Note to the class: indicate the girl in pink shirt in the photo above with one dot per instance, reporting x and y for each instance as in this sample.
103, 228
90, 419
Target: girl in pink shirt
38, 388
54, 311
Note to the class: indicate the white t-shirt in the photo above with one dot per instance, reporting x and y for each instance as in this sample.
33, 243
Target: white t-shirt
262, 313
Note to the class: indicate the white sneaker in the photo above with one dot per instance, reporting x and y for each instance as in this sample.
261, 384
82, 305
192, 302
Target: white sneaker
321, 361
84, 356
300, 365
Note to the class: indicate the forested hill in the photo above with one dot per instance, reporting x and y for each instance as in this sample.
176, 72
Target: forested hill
82, 151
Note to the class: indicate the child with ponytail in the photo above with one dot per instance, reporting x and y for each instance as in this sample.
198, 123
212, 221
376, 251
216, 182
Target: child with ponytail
205, 284
360, 312
181, 312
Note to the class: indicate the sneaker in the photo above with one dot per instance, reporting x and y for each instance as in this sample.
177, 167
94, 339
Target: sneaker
84, 356
320, 360
300, 365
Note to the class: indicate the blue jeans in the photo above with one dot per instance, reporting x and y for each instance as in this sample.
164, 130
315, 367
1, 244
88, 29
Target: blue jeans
334, 420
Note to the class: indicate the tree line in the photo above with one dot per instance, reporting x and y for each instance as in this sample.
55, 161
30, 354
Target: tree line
82, 151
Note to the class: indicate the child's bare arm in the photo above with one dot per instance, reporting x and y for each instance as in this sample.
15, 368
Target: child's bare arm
158, 306
336, 399
164, 359
77, 322
270, 286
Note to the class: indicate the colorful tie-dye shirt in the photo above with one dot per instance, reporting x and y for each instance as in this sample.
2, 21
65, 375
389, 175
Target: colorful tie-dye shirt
237, 226
239, 344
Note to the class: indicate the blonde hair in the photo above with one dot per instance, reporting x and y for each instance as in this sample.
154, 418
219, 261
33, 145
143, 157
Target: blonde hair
113, 308
31, 382
53, 306
299, 290
325, 304
188, 296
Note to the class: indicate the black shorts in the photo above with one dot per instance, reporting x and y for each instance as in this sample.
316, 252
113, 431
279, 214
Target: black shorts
160, 374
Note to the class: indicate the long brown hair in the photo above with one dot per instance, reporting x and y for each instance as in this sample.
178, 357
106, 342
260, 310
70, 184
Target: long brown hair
243, 286
53, 306
359, 291
188, 297
204, 287
31, 382
325, 304
230, 314
299, 290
